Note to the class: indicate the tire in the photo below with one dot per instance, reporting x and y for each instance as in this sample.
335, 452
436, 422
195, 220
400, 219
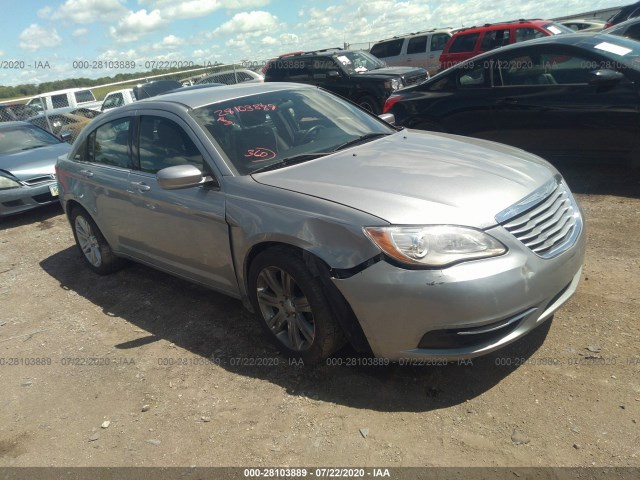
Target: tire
292, 307
369, 103
95, 250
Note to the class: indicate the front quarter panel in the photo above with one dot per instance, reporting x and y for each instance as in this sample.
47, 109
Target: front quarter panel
260, 214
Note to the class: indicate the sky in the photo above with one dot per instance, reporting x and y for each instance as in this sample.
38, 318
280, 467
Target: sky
45, 40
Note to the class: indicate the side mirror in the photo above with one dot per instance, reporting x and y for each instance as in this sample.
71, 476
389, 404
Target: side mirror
66, 137
390, 118
333, 74
605, 78
179, 176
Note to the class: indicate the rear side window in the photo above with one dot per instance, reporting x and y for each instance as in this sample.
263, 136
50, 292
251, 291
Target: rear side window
438, 41
108, 144
464, 43
633, 32
417, 45
390, 48
59, 101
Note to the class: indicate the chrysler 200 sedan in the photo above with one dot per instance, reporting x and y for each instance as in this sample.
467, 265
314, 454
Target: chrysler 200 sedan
329, 224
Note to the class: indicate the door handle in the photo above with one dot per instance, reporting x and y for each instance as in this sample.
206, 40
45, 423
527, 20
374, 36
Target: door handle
141, 186
507, 101
86, 173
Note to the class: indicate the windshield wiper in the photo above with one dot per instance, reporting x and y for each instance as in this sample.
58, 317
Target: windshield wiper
362, 138
285, 162
32, 147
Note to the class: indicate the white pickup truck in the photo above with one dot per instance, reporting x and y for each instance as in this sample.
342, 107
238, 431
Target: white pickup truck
117, 99
70, 97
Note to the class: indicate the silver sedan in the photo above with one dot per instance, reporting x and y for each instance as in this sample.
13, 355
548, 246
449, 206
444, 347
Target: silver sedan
331, 225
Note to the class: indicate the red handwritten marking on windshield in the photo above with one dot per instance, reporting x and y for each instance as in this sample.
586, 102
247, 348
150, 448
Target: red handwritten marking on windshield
260, 154
222, 114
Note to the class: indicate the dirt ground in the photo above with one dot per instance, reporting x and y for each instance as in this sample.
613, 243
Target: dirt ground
143, 369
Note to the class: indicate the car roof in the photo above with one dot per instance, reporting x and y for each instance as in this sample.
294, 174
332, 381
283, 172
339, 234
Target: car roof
497, 25
199, 97
421, 32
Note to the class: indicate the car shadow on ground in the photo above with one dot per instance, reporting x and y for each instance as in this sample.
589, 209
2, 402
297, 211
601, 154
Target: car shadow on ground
40, 214
217, 328
600, 178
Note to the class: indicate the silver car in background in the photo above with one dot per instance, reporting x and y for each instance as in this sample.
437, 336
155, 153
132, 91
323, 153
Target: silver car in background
330, 224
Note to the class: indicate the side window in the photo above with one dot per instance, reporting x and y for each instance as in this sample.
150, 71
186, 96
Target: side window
473, 75
390, 48
59, 101
108, 144
438, 41
299, 70
545, 69
524, 34
321, 65
633, 32
495, 39
115, 100
163, 143
417, 45
464, 43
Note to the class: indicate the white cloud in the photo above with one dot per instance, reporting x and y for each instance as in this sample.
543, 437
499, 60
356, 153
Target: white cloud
84, 11
253, 23
35, 37
171, 41
269, 40
136, 24
1, 53
79, 32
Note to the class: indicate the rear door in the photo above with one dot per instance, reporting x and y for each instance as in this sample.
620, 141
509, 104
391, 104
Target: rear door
545, 104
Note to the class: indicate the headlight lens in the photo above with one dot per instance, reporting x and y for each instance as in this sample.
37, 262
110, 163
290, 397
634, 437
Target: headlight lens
434, 246
7, 183
393, 84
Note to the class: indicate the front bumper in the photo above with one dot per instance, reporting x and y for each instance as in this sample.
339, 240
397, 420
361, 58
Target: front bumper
17, 200
463, 311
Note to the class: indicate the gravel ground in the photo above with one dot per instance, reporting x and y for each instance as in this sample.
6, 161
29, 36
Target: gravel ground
143, 369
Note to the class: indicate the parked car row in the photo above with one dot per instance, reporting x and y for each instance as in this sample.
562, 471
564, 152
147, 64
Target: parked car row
356, 75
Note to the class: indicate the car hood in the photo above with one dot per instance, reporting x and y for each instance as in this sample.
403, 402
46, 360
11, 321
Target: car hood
414, 177
28, 164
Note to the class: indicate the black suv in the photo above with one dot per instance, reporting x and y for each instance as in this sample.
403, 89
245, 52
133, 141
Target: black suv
356, 75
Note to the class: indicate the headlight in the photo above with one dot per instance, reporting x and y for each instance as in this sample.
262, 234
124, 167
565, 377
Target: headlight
7, 183
393, 84
434, 246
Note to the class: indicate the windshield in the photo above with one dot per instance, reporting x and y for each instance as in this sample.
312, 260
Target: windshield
259, 130
359, 62
24, 137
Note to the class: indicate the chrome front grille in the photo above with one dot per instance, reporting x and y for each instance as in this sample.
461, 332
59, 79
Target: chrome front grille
548, 227
413, 80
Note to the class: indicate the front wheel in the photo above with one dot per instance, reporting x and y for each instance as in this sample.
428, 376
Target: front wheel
291, 305
95, 250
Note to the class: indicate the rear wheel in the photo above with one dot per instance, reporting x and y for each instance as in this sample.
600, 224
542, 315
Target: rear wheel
95, 250
369, 103
291, 305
